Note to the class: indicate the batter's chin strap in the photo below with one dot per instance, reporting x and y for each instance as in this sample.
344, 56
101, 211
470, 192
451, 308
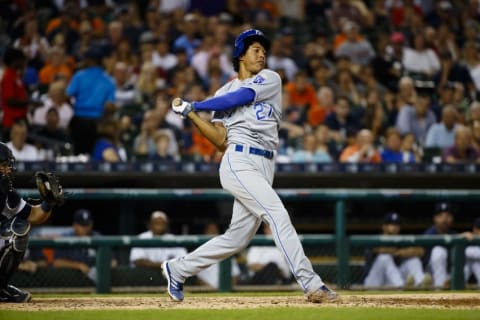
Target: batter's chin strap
16, 231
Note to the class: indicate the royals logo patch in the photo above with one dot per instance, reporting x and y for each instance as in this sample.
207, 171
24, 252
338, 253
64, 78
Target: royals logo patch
259, 79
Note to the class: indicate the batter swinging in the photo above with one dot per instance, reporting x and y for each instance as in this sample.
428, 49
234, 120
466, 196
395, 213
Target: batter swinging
247, 112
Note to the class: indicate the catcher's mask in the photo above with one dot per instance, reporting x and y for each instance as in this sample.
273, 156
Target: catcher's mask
6, 159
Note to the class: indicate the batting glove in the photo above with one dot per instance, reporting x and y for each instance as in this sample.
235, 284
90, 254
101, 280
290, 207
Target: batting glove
182, 107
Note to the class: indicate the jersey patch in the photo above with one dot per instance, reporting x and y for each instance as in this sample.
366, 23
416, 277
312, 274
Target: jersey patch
259, 79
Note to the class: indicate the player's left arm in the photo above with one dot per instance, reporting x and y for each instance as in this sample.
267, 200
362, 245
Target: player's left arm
38, 215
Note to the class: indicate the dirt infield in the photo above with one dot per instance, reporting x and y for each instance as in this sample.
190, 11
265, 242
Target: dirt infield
436, 300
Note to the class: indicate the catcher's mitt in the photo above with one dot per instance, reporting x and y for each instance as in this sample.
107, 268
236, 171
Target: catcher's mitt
50, 188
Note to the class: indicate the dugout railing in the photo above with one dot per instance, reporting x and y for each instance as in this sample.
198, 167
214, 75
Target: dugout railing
339, 238
105, 245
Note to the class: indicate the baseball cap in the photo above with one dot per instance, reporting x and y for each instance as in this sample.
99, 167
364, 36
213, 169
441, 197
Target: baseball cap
82, 217
443, 207
391, 218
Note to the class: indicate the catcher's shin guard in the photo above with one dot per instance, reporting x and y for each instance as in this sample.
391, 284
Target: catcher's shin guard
9, 261
14, 249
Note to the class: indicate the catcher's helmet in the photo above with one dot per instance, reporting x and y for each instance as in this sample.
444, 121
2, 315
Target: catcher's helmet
251, 35
6, 155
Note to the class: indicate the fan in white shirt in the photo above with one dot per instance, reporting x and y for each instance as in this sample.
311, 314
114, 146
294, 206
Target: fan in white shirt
21, 150
56, 98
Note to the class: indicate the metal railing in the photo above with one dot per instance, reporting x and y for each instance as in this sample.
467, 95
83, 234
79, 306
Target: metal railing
105, 244
339, 238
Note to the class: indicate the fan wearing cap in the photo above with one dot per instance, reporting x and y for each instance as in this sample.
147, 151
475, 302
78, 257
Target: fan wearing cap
82, 259
153, 257
472, 253
437, 257
393, 266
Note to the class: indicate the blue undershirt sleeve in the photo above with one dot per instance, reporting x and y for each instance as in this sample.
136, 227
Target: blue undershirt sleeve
227, 101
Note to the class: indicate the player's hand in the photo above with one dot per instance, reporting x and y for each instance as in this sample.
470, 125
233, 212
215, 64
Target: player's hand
181, 107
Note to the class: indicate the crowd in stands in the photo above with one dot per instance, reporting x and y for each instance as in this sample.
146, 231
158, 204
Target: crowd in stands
363, 81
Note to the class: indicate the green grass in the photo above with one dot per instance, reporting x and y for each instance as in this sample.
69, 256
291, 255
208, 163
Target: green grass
244, 314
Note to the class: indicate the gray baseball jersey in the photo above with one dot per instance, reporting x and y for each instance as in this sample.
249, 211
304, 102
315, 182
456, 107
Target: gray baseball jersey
247, 171
257, 124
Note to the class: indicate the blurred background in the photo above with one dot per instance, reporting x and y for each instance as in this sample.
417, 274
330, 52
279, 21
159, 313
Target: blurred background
381, 114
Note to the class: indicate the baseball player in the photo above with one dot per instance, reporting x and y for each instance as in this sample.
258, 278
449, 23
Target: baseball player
247, 113
392, 266
16, 215
472, 254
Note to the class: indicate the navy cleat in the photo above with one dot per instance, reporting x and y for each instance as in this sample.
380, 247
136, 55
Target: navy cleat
174, 287
15, 295
323, 294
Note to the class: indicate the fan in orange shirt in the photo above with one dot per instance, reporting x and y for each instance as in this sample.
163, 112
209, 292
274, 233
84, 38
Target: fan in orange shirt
302, 95
363, 151
56, 67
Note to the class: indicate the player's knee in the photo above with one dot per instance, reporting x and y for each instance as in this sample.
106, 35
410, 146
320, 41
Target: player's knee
439, 255
385, 258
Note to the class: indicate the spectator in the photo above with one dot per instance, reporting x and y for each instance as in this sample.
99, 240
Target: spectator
188, 40
453, 71
14, 95
124, 85
420, 60
393, 266
107, 148
374, 117
472, 254
22, 150
313, 151
57, 99
56, 67
437, 257
442, 135
410, 145
475, 128
359, 50
462, 150
392, 152
302, 94
210, 276
416, 119
266, 264
341, 121
51, 135
355, 11
94, 94
154, 120
363, 151
162, 57
82, 259
326, 104
148, 82
153, 257
162, 144
32, 43
278, 60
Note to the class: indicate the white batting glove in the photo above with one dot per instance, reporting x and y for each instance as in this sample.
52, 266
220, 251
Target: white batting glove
182, 107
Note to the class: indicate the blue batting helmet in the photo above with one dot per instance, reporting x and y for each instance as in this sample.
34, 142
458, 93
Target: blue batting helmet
250, 34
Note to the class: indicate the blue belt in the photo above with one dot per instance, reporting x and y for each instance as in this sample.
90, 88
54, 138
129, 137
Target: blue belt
259, 152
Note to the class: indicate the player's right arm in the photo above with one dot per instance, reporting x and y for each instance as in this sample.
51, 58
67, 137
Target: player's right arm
216, 133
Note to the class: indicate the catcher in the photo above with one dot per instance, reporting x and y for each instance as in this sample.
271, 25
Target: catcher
16, 215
